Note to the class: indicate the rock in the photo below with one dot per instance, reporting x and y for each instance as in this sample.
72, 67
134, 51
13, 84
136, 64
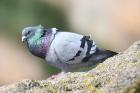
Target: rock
119, 74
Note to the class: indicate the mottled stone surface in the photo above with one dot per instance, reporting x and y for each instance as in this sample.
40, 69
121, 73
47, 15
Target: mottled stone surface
119, 74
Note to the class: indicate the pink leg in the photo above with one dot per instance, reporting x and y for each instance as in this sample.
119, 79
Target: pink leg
57, 76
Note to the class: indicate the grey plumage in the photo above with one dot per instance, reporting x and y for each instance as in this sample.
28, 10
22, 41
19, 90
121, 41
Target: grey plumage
64, 50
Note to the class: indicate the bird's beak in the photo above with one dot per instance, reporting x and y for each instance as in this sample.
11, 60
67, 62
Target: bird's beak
23, 38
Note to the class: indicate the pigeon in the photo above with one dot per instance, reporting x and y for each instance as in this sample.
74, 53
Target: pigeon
64, 50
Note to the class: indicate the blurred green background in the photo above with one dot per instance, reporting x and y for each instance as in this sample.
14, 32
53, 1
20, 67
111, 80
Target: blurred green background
16, 14
113, 24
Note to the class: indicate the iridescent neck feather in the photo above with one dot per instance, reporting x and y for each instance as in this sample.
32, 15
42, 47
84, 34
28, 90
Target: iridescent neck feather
39, 44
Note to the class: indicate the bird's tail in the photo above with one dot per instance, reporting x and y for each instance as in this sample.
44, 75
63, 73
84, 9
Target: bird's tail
100, 55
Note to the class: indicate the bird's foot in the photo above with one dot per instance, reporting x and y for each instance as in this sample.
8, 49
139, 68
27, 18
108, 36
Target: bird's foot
57, 76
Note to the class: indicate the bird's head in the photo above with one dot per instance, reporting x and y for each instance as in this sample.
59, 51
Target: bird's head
30, 32
38, 39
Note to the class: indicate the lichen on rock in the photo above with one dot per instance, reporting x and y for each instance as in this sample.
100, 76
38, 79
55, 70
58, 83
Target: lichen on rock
118, 74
